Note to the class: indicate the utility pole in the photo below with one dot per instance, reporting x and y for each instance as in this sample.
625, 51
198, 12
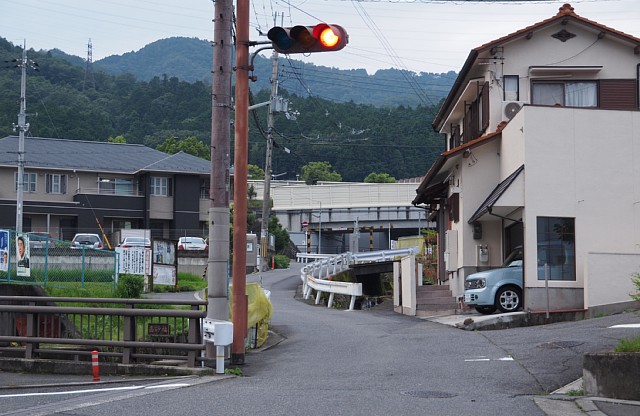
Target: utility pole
22, 127
217, 263
241, 133
266, 199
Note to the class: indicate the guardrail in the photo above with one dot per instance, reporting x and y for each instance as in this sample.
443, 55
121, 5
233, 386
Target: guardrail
33, 326
316, 276
306, 257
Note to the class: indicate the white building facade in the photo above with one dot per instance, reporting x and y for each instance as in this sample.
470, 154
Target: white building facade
542, 134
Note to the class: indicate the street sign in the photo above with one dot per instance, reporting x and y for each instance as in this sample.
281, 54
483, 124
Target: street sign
305, 224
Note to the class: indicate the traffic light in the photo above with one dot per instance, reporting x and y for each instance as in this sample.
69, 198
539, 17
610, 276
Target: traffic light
308, 39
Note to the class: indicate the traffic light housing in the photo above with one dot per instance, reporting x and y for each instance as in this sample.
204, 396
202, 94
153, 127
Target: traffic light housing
308, 39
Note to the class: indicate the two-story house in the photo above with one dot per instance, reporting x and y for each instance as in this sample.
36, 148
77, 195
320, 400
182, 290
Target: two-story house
70, 185
542, 134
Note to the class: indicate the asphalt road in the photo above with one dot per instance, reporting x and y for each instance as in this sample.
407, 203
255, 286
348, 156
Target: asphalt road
373, 362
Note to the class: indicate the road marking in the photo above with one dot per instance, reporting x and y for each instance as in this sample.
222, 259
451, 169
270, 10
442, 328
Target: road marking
58, 393
626, 326
484, 359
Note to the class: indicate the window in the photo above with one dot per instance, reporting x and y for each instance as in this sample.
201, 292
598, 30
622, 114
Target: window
56, 184
556, 248
511, 87
161, 186
116, 186
28, 182
204, 189
570, 94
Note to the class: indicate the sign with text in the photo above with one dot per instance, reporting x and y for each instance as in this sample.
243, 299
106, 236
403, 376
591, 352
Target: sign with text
134, 260
4, 250
164, 275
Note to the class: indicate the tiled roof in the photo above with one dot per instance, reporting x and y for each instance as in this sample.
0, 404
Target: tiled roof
97, 156
565, 12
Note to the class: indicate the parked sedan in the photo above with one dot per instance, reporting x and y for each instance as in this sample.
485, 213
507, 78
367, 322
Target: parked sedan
192, 244
135, 242
87, 241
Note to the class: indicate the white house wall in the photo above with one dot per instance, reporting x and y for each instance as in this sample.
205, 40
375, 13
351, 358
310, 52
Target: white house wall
583, 164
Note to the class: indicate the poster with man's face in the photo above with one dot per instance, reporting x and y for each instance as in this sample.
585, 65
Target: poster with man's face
22, 254
4, 250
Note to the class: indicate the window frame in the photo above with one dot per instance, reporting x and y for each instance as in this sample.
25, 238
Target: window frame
505, 90
161, 186
29, 185
564, 84
59, 188
556, 244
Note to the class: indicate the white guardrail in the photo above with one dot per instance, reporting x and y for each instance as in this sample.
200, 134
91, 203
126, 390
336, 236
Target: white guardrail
316, 276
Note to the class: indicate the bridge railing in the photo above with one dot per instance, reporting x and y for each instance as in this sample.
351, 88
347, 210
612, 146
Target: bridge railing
317, 275
125, 330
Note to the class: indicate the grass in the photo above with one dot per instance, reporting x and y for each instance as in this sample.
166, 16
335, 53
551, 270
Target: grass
575, 393
628, 345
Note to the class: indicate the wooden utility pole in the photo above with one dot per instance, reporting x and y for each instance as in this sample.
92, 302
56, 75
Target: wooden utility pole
217, 263
240, 175
266, 198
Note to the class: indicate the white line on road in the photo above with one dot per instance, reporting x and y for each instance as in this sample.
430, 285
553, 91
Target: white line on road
471, 360
58, 393
626, 326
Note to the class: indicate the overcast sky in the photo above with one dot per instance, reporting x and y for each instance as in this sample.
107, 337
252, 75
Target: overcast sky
422, 36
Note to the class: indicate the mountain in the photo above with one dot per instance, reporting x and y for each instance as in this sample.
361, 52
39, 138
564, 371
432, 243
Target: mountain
190, 59
355, 138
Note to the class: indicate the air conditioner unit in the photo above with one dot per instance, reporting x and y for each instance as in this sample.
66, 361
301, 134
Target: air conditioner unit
510, 108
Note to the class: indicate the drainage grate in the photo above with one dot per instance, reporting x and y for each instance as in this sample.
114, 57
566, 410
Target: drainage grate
560, 344
427, 394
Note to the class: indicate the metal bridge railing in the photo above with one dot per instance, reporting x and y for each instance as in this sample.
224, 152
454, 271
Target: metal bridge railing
316, 276
122, 330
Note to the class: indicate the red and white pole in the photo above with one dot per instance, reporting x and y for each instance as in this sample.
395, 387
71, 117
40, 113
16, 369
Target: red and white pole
94, 365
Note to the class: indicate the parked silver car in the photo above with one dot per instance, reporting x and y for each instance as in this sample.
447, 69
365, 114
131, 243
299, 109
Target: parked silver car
192, 244
87, 241
496, 289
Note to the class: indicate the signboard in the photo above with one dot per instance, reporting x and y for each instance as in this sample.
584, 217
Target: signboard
164, 268
164, 275
164, 252
134, 260
305, 225
22, 255
4, 250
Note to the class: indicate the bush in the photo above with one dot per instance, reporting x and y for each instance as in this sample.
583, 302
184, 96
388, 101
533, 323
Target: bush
628, 345
130, 286
281, 261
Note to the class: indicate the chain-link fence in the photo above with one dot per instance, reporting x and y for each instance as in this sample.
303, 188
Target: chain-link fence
35, 258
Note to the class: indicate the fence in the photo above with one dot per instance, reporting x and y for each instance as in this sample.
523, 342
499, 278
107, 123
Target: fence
124, 330
54, 263
316, 276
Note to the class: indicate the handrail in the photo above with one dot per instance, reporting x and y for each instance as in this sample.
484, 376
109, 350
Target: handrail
315, 275
125, 328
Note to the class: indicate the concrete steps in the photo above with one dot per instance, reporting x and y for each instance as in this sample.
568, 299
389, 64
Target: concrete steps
434, 300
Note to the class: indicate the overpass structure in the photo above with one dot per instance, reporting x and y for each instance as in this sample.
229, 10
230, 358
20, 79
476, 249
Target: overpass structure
335, 217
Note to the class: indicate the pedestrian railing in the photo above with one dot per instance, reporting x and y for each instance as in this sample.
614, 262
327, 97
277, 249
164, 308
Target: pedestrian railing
318, 275
122, 330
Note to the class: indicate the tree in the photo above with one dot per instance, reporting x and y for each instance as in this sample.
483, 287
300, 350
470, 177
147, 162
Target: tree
313, 172
281, 234
374, 177
190, 145
255, 172
117, 139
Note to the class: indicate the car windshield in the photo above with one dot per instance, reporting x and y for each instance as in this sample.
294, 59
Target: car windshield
514, 259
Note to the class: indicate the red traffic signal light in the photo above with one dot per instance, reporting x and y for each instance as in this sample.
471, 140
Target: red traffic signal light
308, 39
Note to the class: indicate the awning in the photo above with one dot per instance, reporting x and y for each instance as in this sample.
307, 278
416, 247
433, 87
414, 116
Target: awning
505, 198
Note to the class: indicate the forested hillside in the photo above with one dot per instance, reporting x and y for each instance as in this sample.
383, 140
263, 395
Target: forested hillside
356, 139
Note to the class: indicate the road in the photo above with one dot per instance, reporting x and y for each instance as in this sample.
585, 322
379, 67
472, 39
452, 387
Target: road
372, 362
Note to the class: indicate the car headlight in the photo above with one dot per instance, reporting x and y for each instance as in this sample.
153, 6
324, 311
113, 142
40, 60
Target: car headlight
475, 284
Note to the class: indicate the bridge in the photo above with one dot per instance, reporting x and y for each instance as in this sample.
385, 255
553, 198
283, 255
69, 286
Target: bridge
336, 217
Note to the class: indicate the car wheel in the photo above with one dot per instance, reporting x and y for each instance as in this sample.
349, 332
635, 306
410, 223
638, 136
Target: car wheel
509, 299
486, 310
